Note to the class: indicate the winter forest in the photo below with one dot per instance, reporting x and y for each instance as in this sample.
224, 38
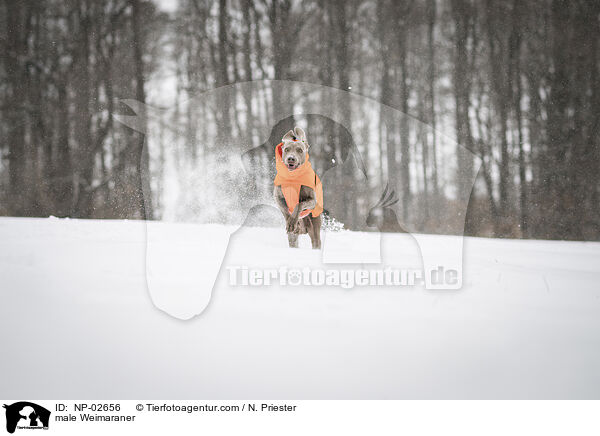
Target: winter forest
516, 83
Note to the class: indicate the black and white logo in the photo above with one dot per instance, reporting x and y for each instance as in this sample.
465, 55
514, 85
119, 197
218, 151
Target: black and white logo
26, 415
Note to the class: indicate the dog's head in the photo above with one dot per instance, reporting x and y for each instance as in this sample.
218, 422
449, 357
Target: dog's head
294, 148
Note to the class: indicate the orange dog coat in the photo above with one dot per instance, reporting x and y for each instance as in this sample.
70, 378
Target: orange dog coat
292, 181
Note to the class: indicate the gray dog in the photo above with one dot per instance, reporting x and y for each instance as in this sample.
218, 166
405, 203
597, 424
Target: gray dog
298, 191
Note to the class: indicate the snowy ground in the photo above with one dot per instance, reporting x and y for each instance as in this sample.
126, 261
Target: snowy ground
77, 321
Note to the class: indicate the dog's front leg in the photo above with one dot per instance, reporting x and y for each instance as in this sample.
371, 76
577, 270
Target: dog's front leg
308, 200
280, 202
291, 223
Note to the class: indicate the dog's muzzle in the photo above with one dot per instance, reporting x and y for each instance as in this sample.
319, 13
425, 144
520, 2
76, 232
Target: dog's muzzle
291, 163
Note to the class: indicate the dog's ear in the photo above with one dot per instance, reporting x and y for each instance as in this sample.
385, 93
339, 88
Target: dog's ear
289, 136
300, 134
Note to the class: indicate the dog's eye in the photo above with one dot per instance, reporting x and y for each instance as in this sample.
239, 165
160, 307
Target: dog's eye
287, 149
299, 150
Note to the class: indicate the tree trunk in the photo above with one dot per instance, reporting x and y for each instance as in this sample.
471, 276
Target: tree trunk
431, 15
83, 117
515, 55
556, 189
461, 11
386, 141
16, 80
501, 91
142, 156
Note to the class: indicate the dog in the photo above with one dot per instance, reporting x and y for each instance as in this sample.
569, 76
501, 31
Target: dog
298, 190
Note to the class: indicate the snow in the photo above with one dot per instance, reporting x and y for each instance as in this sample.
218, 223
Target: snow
78, 319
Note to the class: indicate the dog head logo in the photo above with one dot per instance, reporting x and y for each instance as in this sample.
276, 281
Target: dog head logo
219, 188
26, 415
